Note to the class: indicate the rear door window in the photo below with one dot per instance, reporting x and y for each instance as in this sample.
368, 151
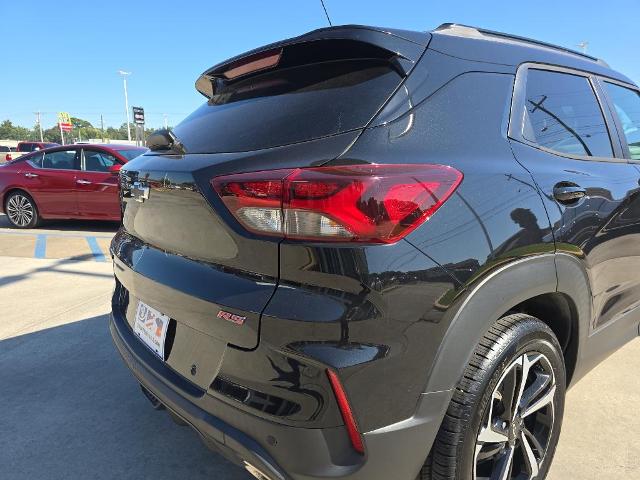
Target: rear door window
60, 160
564, 115
627, 105
95, 161
289, 105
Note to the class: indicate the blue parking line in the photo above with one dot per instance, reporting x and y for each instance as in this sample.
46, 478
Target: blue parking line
98, 256
41, 246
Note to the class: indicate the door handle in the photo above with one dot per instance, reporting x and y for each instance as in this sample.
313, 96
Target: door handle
83, 182
565, 192
31, 175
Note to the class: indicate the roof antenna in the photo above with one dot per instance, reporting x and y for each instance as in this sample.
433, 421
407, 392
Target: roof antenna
583, 46
326, 13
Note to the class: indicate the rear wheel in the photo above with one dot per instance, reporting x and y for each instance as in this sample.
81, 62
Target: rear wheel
21, 210
504, 419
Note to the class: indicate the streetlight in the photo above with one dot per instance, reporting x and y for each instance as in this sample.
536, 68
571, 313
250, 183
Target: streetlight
126, 100
583, 45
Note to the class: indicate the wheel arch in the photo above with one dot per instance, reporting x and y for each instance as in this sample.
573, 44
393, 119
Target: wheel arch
553, 287
13, 189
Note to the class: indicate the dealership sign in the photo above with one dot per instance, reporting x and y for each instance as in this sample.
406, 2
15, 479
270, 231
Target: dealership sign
64, 121
138, 115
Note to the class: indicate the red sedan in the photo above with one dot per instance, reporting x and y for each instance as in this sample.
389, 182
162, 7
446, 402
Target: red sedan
70, 181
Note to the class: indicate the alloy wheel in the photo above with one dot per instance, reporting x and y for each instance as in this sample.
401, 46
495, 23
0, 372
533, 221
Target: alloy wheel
516, 430
20, 210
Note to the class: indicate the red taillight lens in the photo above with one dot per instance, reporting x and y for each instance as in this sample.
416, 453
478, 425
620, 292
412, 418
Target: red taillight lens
345, 411
362, 203
8, 157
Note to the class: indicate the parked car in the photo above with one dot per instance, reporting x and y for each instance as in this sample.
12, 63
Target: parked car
64, 182
377, 254
27, 147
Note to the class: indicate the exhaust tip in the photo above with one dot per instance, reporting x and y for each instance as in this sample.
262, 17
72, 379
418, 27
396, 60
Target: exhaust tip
259, 474
155, 403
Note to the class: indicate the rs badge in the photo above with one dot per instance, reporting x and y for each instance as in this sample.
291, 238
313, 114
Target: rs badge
231, 317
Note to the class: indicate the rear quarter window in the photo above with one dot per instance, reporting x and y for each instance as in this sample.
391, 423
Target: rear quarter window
289, 105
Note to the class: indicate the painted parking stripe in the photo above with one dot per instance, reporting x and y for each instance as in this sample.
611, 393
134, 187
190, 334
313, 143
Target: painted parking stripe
41, 246
98, 256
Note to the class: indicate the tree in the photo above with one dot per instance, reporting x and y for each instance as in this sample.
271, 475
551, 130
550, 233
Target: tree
80, 123
9, 131
82, 130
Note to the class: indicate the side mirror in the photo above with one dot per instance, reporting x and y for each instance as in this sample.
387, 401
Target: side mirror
115, 168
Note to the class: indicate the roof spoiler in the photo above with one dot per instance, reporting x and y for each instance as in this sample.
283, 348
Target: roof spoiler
401, 48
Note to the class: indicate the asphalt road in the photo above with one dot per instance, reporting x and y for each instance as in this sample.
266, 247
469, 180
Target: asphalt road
69, 409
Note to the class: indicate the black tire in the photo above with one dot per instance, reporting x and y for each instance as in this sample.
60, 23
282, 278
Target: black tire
514, 345
21, 210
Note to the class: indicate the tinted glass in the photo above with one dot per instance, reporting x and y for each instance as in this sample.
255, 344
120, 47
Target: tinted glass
563, 114
61, 160
95, 161
48, 145
289, 105
132, 153
25, 147
4, 149
627, 105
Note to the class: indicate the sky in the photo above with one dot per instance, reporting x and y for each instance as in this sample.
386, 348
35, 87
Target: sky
65, 55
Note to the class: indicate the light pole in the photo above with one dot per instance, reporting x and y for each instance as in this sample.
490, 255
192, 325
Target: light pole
126, 100
39, 122
166, 123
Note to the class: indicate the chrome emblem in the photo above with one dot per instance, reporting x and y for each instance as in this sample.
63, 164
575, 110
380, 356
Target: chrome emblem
139, 191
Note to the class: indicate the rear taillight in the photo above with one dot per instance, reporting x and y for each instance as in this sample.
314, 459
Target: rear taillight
8, 157
357, 203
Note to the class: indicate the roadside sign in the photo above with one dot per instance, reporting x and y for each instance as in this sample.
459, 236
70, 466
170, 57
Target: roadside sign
138, 115
64, 121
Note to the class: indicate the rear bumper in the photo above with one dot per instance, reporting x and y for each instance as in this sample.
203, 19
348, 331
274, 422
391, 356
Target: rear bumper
280, 451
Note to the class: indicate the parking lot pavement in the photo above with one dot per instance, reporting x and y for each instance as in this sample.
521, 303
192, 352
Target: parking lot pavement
59, 239
70, 409
601, 430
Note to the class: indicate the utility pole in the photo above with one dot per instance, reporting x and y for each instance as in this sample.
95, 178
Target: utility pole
102, 127
166, 123
39, 125
126, 101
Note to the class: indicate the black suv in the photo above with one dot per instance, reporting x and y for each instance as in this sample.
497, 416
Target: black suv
377, 254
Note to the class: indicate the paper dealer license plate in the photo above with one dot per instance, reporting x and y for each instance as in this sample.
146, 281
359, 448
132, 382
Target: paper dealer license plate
151, 326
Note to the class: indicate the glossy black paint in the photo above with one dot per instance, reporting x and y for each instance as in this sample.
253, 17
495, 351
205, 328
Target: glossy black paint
397, 322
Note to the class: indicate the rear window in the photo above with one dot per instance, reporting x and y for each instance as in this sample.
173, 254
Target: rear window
289, 105
131, 153
26, 147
